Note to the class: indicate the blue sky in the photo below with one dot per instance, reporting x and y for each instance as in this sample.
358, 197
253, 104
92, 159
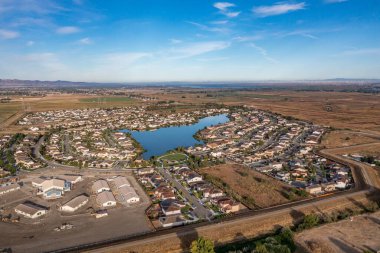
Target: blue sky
189, 40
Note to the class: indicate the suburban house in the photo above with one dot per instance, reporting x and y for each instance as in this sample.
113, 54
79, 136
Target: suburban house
314, 189
193, 177
119, 182
74, 204
30, 210
106, 199
9, 188
172, 220
128, 194
100, 186
171, 207
228, 205
51, 188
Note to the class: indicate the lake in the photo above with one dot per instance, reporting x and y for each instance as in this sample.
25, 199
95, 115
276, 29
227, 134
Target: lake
159, 141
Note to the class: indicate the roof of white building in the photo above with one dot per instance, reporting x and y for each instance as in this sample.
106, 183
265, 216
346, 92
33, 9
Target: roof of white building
105, 197
77, 201
100, 184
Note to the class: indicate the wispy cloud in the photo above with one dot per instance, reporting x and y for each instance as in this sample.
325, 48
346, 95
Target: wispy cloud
247, 38
8, 34
47, 61
277, 9
198, 48
31, 6
303, 33
67, 30
30, 43
263, 52
334, 1
362, 51
207, 28
219, 22
224, 8
175, 41
85, 41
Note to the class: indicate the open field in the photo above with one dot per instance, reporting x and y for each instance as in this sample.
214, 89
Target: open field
337, 109
101, 100
338, 138
345, 236
261, 190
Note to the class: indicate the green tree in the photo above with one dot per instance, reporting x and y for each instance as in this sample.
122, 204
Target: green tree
202, 245
310, 220
261, 249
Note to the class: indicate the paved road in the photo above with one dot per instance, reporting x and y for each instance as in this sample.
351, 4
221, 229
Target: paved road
200, 210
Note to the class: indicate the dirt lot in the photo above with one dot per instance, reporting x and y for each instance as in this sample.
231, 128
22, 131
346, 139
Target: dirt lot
336, 139
356, 236
264, 190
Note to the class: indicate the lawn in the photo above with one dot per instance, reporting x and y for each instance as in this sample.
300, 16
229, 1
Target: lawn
174, 157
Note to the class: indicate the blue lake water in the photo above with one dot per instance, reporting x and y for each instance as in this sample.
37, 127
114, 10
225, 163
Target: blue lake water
159, 141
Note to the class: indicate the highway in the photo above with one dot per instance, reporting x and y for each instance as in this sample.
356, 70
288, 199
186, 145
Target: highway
366, 184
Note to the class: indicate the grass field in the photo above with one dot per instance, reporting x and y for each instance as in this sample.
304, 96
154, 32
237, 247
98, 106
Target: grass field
9, 109
178, 157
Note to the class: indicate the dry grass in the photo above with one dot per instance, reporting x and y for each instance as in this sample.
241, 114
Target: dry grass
337, 109
265, 190
361, 234
336, 139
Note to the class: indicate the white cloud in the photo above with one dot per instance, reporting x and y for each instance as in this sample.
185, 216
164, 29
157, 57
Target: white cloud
263, 52
31, 6
198, 48
277, 9
224, 7
219, 22
30, 43
247, 38
8, 34
303, 33
209, 28
335, 1
85, 41
175, 41
67, 30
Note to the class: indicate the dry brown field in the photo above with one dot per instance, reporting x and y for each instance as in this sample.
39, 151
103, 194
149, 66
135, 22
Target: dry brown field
264, 190
344, 236
344, 110
336, 139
